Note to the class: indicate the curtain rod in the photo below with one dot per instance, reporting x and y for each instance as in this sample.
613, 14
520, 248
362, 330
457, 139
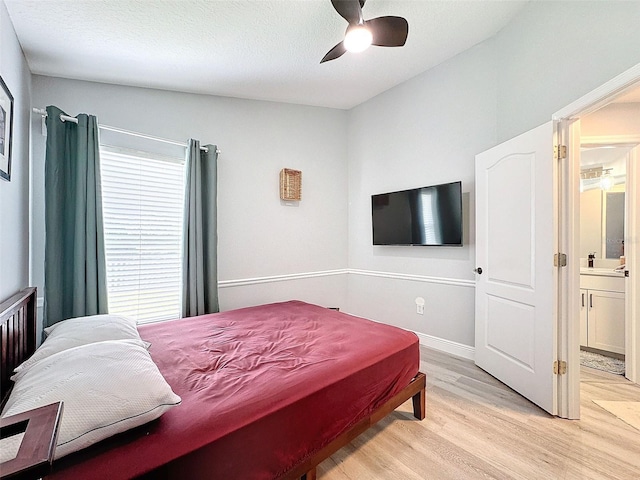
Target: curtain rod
66, 118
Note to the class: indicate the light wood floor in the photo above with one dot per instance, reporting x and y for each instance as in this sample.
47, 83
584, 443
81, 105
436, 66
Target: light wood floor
478, 428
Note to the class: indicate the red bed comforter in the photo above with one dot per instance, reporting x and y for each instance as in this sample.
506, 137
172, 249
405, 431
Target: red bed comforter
262, 389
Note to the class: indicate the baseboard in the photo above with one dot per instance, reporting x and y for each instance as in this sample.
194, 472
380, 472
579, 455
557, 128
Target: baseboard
447, 346
436, 343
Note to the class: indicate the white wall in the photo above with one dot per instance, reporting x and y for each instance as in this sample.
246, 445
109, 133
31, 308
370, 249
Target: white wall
429, 129
553, 53
423, 132
258, 236
14, 195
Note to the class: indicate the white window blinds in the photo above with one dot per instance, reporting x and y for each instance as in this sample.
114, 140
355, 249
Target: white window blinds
142, 197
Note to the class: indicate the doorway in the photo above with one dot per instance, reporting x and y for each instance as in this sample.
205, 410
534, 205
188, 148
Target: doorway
603, 218
589, 127
547, 351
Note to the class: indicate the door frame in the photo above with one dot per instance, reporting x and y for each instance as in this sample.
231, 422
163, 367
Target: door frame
567, 121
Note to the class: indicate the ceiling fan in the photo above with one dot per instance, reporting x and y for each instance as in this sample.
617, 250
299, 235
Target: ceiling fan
381, 31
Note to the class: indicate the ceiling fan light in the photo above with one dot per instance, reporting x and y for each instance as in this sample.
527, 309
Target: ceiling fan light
357, 39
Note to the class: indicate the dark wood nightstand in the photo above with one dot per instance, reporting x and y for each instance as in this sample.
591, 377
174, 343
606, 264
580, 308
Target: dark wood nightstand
38, 444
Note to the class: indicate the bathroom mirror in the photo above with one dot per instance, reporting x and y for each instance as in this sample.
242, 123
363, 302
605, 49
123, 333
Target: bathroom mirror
602, 199
614, 224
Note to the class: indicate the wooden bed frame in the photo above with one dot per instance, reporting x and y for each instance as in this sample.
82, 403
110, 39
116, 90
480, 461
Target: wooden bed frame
415, 390
17, 335
18, 339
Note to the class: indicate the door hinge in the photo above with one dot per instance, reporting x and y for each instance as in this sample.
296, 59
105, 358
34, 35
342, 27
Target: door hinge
559, 152
560, 260
559, 367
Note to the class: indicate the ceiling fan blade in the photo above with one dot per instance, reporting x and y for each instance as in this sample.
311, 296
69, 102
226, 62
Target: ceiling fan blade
350, 10
334, 53
388, 31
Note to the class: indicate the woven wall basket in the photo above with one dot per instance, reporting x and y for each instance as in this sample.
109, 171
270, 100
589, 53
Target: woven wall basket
290, 184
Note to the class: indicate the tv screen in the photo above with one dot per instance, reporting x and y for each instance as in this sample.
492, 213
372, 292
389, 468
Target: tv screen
420, 216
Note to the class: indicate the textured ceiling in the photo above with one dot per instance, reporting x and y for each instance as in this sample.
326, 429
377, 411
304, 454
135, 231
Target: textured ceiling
261, 49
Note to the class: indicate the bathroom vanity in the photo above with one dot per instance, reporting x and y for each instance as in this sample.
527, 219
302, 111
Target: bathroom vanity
602, 309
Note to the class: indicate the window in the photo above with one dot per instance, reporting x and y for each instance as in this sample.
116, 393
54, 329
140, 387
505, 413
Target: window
142, 201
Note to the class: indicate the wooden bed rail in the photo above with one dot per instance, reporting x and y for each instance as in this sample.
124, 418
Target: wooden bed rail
416, 390
17, 334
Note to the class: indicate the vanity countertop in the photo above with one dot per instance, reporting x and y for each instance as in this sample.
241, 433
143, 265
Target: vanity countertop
604, 272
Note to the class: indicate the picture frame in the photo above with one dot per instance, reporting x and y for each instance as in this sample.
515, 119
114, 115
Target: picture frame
6, 130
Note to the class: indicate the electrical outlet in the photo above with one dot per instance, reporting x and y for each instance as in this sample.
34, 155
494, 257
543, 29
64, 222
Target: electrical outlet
420, 306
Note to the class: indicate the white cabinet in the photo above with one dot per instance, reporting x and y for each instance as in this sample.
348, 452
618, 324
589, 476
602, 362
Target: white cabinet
602, 312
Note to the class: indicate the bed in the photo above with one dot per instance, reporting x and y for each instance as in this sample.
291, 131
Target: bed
267, 392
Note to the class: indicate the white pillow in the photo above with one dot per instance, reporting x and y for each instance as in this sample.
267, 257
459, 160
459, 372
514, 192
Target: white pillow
95, 320
107, 388
81, 331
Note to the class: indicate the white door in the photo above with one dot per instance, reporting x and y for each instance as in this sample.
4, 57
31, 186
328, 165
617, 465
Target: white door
516, 291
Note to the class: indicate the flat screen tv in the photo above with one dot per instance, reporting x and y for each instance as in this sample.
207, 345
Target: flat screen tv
420, 216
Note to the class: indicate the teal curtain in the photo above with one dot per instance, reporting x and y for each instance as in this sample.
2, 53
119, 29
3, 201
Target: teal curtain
200, 236
75, 267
